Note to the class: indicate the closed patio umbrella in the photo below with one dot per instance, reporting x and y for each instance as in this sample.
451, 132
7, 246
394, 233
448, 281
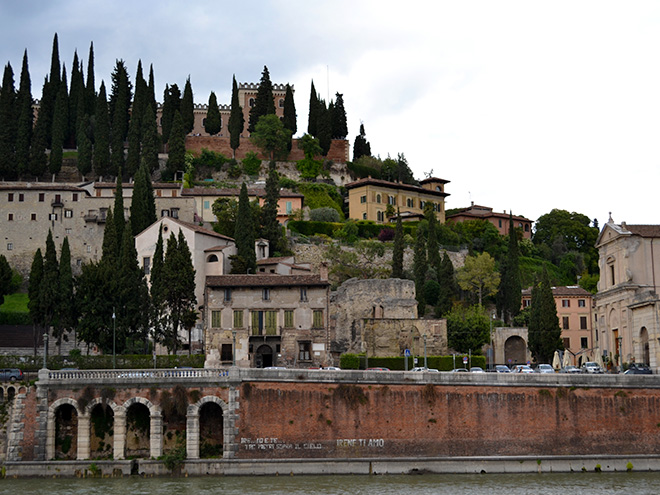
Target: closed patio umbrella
598, 358
567, 359
556, 362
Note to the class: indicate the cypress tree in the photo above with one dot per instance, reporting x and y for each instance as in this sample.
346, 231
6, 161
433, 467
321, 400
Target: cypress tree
313, 112
509, 293
90, 89
263, 103
8, 124
49, 93
77, 89
34, 286
151, 92
66, 308
212, 124
120, 219
361, 146
38, 158
432, 238
84, 143
142, 214
5, 278
150, 140
135, 125
324, 127
157, 291
119, 105
236, 119
289, 116
110, 248
171, 104
420, 267
245, 260
544, 333
339, 126
399, 247
177, 146
447, 283
25, 119
101, 134
271, 228
60, 127
188, 108
49, 291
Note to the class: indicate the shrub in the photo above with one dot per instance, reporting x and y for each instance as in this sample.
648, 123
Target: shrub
324, 214
313, 228
210, 159
251, 164
386, 234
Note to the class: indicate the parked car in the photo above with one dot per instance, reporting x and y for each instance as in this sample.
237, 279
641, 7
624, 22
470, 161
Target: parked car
571, 369
460, 370
476, 369
638, 369
377, 369
10, 374
522, 368
500, 368
545, 368
591, 367
423, 369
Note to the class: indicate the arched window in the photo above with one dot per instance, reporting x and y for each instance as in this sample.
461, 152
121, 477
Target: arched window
377, 198
281, 103
251, 102
212, 259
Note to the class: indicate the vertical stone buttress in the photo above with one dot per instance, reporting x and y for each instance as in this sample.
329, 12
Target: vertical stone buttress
230, 431
192, 433
156, 429
84, 433
44, 444
119, 428
16, 428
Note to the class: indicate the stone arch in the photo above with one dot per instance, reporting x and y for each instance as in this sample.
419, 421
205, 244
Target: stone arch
193, 425
644, 345
70, 427
155, 427
90, 421
212, 258
515, 350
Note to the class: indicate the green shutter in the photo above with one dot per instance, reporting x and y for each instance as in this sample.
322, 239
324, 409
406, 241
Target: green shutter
238, 319
288, 318
271, 322
255, 323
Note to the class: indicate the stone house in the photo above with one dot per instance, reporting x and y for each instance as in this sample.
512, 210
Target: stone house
499, 220
627, 309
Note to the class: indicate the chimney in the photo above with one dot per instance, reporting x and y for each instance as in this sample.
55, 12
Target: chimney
323, 271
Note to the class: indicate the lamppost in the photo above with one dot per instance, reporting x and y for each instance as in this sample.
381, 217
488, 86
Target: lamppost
233, 360
45, 350
491, 351
114, 338
620, 339
426, 366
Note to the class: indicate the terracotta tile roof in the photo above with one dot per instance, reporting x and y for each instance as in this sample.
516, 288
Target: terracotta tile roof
198, 229
394, 185
129, 185
565, 290
434, 179
36, 186
644, 230
478, 211
274, 260
216, 248
265, 280
233, 193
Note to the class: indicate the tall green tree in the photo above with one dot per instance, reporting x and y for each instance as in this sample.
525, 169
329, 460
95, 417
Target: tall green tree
289, 113
151, 85
8, 124
420, 268
135, 125
84, 143
212, 123
158, 309
5, 278
49, 291
66, 312
478, 276
176, 160
509, 293
121, 95
101, 154
236, 118
544, 333
171, 105
110, 246
38, 158
467, 328
75, 111
25, 119
90, 88
399, 247
361, 146
188, 108
339, 126
270, 226
314, 108
432, 237
96, 303
448, 290
271, 136
120, 219
245, 259
34, 287
150, 140
143, 206
324, 127
49, 93
264, 104
60, 127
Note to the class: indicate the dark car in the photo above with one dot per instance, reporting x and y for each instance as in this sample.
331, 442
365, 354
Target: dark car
377, 369
638, 369
10, 374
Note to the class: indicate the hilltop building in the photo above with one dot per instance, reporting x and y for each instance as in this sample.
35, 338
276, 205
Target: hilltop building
499, 220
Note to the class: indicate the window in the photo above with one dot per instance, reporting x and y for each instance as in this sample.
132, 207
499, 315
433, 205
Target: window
380, 216
21, 197
227, 295
226, 353
526, 227
318, 319
363, 199
207, 205
89, 248
288, 318
10, 217
289, 207
251, 102
304, 351
612, 275
303, 294
10, 246
146, 265
175, 213
583, 322
42, 197
364, 216
584, 342
165, 213
52, 216
564, 324
67, 231
10, 197
74, 197
238, 318
526, 303
33, 217
499, 222
582, 303
281, 102
422, 204
271, 322
265, 294
216, 318
565, 303
377, 198
68, 213
391, 200
567, 343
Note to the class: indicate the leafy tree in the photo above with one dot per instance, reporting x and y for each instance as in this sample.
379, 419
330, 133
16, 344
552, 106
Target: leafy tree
213, 124
25, 119
509, 293
150, 141
467, 328
101, 134
8, 124
478, 276
60, 127
176, 160
236, 119
5, 278
270, 225
314, 108
324, 214
420, 268
544, 333
362, 260
188, 108
308, 167
245, 259
271, 136
95, 301
226, 211
399, 247
361, 146
264, 103
339, 126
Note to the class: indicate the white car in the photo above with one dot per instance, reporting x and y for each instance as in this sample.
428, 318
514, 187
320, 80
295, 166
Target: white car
476, 369
544, 368
423, 369
592, 367
522, 368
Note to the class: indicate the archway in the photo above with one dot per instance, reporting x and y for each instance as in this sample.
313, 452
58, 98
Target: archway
66, 432
138, 431
263, 358
101, 441
515, 350
174, 405
211, 430
644, 345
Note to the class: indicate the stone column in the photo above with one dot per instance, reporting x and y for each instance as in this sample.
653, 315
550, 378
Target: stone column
84, 431
192, 432
50, 438
156, 440
119, 428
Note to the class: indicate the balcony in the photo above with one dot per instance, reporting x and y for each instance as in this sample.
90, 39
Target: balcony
57, 203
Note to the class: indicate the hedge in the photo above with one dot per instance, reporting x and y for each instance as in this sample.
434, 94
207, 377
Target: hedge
441, 363
310, 228
14, 318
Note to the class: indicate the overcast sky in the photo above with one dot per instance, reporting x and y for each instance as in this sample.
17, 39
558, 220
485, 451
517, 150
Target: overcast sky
522, 105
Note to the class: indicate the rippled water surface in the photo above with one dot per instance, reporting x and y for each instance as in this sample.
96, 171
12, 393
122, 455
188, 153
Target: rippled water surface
509, 484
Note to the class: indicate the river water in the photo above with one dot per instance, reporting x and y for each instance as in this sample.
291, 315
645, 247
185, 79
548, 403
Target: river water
427, 484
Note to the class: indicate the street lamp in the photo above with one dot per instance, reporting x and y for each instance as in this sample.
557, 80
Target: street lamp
620, 339
426, 366
114, 338
45, 350
233, 360
491, 351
